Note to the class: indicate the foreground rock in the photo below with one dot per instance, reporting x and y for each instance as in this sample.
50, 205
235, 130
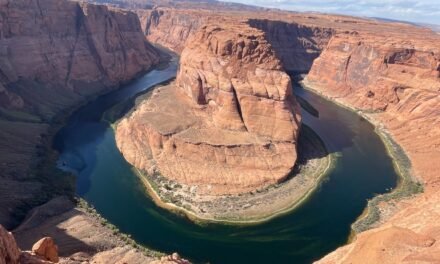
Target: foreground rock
45, 251
228, 125
80, 236
10, 253
53, 56
46, 248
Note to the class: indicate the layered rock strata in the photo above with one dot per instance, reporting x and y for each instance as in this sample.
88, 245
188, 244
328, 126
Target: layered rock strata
171, 28
53, 55
228, 124
393, 79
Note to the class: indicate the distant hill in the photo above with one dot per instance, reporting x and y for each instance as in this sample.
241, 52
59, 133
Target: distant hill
434, 27
180, 4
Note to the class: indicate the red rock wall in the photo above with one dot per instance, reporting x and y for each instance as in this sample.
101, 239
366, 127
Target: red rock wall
395, 79
374, 73
53, 54
66, 44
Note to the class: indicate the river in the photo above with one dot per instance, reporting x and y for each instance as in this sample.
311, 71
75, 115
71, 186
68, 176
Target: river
321, 224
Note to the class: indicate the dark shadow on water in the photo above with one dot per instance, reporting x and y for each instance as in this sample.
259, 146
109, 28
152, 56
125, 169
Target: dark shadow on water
329, 120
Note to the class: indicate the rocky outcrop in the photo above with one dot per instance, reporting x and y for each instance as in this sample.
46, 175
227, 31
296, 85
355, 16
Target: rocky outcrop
10, 253
53, 56
396, 82
230, 122
46, 249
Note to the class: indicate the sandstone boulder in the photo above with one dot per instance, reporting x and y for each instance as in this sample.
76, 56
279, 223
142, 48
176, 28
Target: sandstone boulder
46, 248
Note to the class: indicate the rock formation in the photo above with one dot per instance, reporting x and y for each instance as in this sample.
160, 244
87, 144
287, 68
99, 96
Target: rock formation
46, 249
56, 53
170, 27
389, 70
394, 78
10, 253
53, 55
296, 43
230, 122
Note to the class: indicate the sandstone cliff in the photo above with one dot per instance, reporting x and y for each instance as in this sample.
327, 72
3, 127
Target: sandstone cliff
53, 55
169, 27
394, 79
230, 122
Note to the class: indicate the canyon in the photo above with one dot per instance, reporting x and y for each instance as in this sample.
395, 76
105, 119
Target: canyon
388, 72
56, 55
230, 112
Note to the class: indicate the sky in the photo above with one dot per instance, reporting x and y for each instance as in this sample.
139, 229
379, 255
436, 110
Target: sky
421, 11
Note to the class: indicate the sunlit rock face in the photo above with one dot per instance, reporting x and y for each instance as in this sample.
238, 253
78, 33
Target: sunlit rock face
394, 76
228, 124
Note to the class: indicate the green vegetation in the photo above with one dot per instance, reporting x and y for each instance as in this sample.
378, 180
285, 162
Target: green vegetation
406, 187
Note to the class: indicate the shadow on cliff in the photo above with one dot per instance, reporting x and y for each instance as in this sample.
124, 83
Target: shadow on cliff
50, 220
297, 46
